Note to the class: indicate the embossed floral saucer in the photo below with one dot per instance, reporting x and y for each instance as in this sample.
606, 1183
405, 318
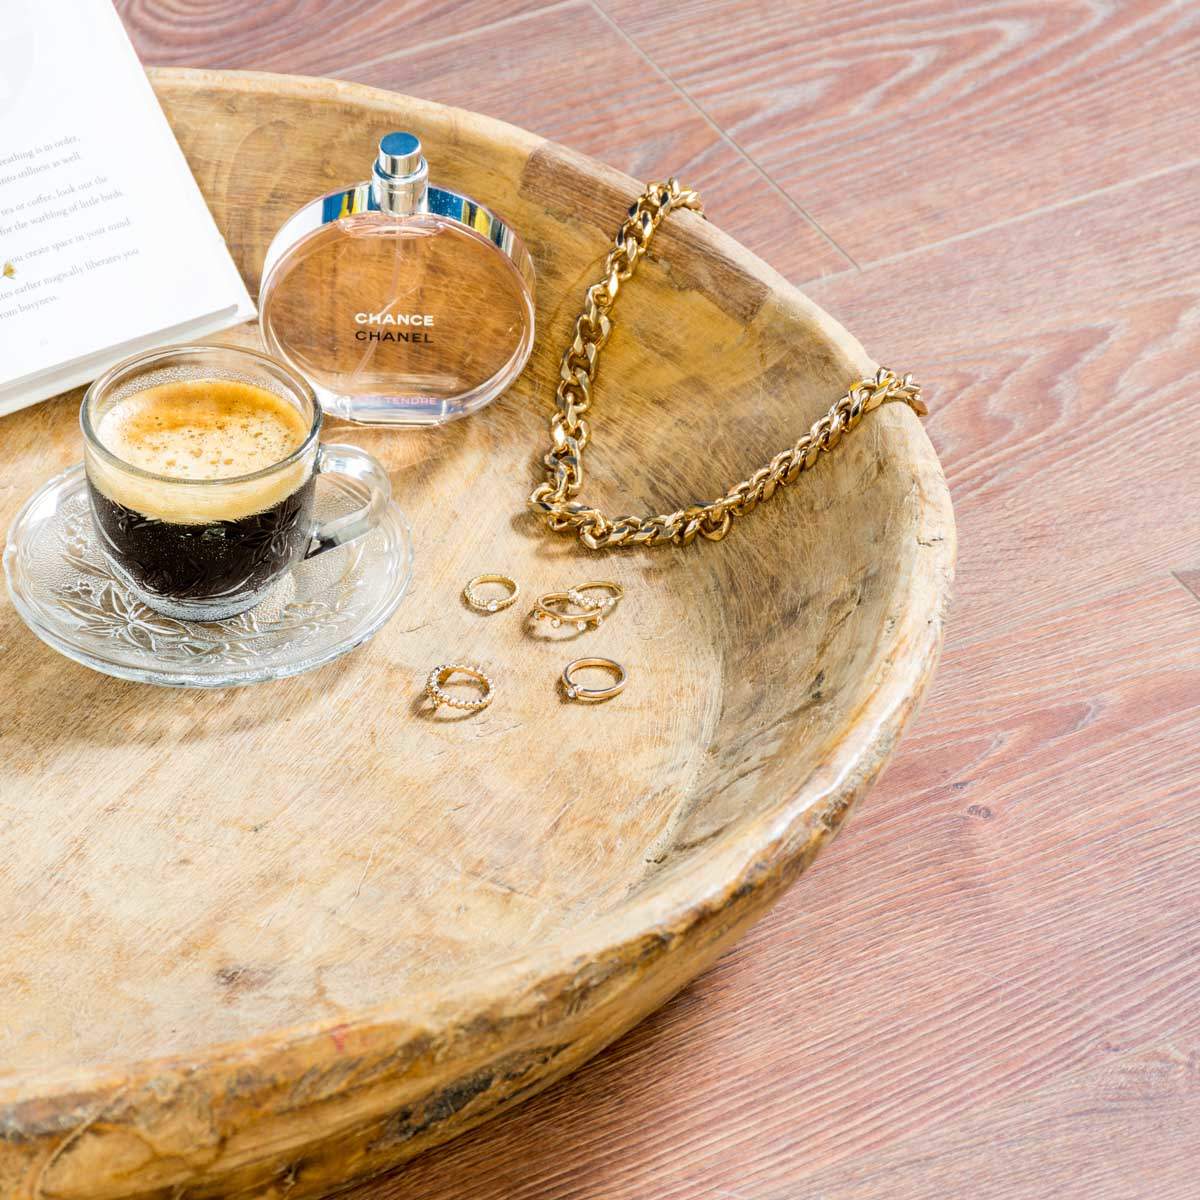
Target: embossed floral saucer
64, 592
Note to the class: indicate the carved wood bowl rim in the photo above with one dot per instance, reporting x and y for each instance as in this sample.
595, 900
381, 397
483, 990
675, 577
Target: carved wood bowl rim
596, 965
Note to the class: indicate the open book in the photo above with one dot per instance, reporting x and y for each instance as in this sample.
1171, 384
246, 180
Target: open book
106, 245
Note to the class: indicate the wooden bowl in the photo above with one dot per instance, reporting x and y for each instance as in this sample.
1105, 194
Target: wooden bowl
260, 942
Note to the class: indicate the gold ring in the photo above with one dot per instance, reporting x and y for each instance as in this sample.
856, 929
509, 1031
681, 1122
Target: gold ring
593, 695
440, 674
576, 595
591, 609
477, 602
544, 610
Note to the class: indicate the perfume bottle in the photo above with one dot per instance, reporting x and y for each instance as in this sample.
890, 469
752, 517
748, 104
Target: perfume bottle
402, 303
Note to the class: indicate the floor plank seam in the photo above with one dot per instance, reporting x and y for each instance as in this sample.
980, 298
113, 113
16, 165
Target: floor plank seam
891, 259
1191, 590
1041, 210
724, 135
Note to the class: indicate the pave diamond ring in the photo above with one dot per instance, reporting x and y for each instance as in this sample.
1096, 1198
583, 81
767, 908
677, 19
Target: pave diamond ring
440, 675
576, 607
491, 604
580, 598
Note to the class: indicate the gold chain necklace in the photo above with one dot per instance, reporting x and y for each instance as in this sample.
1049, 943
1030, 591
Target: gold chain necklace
570, 433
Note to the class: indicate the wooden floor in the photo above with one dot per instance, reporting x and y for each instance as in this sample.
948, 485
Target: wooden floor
990, 986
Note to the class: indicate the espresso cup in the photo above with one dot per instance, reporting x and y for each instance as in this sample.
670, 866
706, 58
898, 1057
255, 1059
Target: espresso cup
201, 465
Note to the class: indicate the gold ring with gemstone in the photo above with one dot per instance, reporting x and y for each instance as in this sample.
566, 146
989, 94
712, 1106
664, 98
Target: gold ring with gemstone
544, 610
480, 604
591, 609
440, 674
584, 695
577, 595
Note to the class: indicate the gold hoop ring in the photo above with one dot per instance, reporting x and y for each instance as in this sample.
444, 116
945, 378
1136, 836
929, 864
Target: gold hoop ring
441, 673
591, 609
593, 695
477, 602
544, 610
576, 595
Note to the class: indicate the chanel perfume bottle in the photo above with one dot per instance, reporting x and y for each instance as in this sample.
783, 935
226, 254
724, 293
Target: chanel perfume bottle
402, 303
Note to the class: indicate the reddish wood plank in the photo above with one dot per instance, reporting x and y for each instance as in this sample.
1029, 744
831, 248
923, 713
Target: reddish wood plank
1057, 353
901, 123
301, 37
1122, 1125
1056, 829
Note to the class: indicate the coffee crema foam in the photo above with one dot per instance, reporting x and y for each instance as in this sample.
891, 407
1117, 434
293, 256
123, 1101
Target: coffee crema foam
200, 430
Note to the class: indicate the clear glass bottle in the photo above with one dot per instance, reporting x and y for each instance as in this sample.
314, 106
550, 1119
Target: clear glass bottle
402, 303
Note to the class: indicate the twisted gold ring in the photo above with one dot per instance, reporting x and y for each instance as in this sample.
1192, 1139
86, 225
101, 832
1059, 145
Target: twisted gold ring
495, 604
441, 673
593, 695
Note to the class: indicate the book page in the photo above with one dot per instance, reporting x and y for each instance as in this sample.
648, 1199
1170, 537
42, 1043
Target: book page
104, 236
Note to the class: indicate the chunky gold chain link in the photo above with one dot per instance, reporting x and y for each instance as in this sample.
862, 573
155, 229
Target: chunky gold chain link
570, 432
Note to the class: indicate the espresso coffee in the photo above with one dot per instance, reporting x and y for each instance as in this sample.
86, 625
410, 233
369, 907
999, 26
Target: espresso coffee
202, 550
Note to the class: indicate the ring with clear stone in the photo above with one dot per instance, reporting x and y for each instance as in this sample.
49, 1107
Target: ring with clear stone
591, 609
578, 595
440, 674
586, 695
491, 604
545, 610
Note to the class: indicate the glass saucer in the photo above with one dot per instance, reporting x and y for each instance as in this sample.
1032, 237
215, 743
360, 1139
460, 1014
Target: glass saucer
63, 591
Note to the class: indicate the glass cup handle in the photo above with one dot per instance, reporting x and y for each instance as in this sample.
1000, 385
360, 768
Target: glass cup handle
337, 459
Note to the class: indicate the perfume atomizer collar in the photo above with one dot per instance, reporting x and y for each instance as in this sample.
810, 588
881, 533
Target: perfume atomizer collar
400, 178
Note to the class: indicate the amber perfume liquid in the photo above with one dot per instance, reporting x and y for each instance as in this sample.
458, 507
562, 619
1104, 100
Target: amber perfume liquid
400, 303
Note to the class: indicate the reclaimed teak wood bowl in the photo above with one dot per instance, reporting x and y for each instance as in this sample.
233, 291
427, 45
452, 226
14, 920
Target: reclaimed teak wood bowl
262, 941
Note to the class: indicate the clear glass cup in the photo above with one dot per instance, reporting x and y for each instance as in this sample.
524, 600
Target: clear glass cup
205, 549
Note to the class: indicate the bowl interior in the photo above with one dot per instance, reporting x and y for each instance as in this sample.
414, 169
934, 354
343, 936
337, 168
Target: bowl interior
188, 869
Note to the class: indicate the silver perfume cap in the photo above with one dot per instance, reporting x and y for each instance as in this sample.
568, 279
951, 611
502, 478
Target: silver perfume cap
400, 178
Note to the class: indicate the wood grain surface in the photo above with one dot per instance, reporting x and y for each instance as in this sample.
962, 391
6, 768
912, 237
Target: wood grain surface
269, 943
988, 986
